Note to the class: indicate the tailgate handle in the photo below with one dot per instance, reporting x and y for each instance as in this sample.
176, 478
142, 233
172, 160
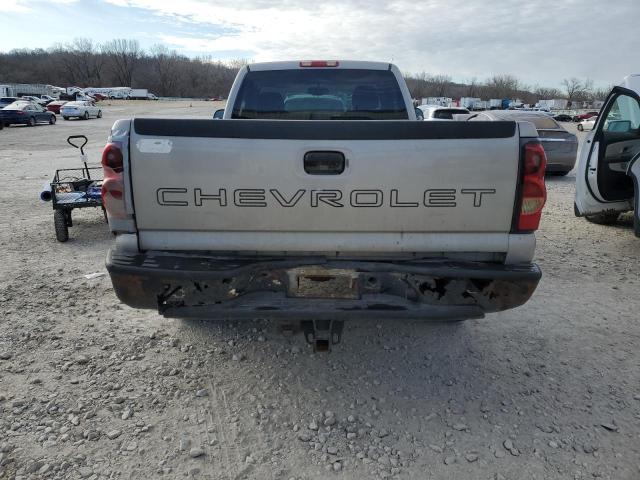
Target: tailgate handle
324, 163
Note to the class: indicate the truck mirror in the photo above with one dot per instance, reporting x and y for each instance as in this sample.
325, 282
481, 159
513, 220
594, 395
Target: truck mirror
219, 114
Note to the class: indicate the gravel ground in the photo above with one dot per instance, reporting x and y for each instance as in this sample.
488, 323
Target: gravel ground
93, 389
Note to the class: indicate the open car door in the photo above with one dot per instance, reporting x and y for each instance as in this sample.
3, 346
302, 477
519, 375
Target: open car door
605, 182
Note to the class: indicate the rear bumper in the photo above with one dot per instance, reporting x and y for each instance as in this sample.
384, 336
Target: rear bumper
561, 161
187, 285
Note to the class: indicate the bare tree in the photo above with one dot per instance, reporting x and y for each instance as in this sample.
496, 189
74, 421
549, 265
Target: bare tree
544, 93
502, 86
576, 89
472, 88
439, 85
165, 64
124, 56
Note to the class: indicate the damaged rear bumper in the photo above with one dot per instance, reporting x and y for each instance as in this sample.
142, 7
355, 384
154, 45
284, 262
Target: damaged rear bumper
191, 285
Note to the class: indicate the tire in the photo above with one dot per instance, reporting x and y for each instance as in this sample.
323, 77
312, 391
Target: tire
580, 128
60, 224
604, 218
32, 122
99, 114
52, 120
66, 118
85, 116
636, 225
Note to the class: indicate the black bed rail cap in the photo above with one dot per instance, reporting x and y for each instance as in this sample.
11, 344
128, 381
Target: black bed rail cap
323, 129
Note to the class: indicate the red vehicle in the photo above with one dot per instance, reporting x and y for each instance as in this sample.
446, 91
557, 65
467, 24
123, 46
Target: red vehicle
55, 106
584, 116
98, 97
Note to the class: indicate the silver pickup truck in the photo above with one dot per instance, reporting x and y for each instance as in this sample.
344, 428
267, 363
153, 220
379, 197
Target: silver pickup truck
319, 197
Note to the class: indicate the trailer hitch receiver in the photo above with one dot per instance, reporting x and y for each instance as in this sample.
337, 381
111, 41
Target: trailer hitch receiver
322, 333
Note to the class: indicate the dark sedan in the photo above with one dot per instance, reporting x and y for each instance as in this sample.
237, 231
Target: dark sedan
563, 117
560, 146
22, 113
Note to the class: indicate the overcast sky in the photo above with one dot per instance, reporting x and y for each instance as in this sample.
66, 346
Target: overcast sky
539, 41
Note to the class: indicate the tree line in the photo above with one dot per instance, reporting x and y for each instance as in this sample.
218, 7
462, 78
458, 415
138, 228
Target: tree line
120, 63
503, 86
165, 72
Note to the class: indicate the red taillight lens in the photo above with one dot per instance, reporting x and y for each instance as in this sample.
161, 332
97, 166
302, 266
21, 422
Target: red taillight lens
534, 192
112, 157
113, 183
319, 63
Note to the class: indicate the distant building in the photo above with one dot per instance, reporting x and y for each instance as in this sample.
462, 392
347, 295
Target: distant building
555, 104
441, 101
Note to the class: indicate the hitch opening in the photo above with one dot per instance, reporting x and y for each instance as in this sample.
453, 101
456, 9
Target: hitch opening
322, 334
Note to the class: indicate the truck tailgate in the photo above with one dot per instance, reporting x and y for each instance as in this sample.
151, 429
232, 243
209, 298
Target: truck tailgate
243, 184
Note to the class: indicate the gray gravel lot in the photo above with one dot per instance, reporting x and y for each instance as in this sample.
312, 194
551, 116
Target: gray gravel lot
93, 389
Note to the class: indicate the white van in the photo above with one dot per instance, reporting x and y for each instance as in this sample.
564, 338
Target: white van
609, 163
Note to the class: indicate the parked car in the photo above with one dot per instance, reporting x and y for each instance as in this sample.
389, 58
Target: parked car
25, 113
80, 109
453, 206
608, 175
152, 96
560, 146
563, 117
587, 123
99, 97
55, 106
584, 116
438, 112
46, 99
4, 101
36, 100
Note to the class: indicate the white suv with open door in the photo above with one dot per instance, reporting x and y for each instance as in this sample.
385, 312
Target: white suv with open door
609, 164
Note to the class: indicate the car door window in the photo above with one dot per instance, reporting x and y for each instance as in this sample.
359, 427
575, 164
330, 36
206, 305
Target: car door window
624, 115
620, 142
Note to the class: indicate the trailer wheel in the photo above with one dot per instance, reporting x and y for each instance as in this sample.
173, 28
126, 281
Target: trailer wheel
60, 224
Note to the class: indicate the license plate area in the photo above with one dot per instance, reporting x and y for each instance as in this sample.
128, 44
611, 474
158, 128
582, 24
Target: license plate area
317, 282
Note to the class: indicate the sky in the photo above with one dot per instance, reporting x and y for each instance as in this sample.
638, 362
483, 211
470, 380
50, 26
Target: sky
539, 41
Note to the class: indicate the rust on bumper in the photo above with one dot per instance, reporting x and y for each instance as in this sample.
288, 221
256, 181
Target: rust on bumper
188, 285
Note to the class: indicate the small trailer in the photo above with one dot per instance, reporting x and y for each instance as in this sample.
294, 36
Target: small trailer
73, 188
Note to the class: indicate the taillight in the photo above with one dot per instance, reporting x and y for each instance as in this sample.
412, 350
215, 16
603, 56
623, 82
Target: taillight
113, 182
112, 157
319, 63
533, 191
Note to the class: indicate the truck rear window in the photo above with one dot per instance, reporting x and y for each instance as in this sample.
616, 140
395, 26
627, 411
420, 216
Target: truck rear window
447, 114
320, 94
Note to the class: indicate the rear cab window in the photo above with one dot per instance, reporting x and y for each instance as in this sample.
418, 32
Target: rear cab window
320, 94
448, 113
